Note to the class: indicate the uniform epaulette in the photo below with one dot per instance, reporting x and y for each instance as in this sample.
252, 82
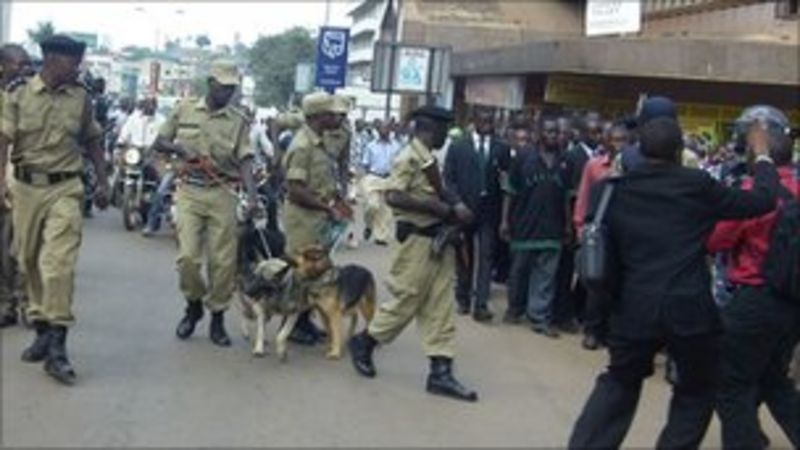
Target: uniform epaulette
15, 84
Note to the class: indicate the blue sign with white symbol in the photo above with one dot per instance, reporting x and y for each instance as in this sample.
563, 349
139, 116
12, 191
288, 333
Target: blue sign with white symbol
332, 46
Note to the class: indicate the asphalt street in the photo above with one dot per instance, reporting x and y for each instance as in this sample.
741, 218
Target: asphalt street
139, 386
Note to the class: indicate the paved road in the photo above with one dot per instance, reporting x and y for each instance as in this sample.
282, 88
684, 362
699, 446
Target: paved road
139, 386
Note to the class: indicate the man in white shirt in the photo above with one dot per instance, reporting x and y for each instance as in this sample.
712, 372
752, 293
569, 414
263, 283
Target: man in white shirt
377, 161
141, 127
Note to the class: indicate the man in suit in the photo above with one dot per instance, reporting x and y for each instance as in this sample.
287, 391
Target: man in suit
659, 220
472, 170
587, 132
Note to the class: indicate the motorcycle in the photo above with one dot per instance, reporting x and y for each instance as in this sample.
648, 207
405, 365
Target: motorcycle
138, 187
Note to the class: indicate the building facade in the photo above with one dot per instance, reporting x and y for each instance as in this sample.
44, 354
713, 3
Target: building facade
712, 56
368, 27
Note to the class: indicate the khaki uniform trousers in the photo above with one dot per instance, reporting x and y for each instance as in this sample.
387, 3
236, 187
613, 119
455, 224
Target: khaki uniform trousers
7, 278
206, 226
422, 288
377, 214
47, 222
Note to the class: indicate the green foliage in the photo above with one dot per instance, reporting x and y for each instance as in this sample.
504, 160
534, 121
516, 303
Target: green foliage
273, 60
42, 31
202, 41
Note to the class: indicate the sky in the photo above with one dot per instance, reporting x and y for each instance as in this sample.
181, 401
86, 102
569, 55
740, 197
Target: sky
122, 23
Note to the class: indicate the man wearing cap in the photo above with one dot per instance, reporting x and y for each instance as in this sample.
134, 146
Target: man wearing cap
48, 124
15, 66
213, 138
421, 277
314, 187
312, 176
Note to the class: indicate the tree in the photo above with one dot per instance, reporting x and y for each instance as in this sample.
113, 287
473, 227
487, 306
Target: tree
202, 41
42, 31
273, 60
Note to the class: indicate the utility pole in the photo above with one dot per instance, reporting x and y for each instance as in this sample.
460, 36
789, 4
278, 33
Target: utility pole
327, 12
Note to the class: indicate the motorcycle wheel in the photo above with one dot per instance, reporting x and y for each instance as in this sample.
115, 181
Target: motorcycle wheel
131, 217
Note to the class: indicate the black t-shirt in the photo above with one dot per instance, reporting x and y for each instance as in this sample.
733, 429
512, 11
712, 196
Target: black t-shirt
539, 198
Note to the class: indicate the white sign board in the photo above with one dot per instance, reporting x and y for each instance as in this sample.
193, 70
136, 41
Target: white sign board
412, 69
604, 17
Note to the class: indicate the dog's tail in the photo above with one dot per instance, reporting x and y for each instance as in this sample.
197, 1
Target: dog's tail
355, 282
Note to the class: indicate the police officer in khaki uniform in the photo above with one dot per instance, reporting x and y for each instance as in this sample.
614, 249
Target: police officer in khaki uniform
212, 137
421, 280
15, 66
48, 124
312, 173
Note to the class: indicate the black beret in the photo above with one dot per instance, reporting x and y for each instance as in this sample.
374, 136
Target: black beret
436, 113
63, 45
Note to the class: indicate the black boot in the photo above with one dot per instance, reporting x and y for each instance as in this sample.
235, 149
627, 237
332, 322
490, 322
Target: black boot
361, 347
217, 330
442, 382
192, 315
37, 351
305, 332
57, 365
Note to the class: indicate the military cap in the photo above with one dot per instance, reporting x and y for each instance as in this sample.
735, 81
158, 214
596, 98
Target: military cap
225, 73
435, 113
63, 45
318, 103
341, 104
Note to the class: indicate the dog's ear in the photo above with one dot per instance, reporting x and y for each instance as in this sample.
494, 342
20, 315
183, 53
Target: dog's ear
290, 260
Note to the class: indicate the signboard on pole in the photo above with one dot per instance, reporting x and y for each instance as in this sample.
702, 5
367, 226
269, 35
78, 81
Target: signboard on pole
409, 69
332, 46
608, 17
412, 69
303, 78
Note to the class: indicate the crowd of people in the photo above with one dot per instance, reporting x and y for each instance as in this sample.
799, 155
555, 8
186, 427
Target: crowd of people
692, 257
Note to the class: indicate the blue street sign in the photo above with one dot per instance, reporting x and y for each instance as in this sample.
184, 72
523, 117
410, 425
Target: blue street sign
332, 46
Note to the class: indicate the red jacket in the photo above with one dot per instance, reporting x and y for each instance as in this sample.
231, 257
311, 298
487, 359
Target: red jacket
748, 240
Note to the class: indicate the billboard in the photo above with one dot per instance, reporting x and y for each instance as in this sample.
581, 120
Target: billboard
609, 17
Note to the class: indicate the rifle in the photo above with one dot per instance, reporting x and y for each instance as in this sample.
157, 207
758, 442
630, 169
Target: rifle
449, 234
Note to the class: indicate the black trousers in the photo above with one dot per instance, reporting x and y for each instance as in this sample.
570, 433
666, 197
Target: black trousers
479, 245
570, 297
609, 412
760, 335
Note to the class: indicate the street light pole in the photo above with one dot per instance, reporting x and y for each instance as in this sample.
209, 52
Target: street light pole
327, 12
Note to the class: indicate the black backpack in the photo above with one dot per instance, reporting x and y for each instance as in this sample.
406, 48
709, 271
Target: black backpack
781, 267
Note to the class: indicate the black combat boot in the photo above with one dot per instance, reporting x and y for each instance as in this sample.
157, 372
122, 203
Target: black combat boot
442, 382
192, 315
57, 365
361, 347
37, 351
217, 330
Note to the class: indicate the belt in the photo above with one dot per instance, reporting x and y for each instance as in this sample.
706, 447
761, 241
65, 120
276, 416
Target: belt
379, 175
200, 182
35, 178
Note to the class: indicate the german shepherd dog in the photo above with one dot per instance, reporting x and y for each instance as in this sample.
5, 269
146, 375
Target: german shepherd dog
269, 285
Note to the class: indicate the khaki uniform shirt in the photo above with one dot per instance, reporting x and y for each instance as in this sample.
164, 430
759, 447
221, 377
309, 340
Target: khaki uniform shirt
408, 176
307, 161
223, 136
48, 130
